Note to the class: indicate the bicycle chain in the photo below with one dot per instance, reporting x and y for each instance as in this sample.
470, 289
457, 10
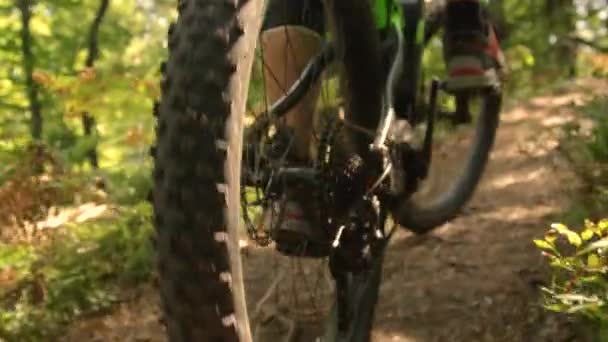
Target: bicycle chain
324, 167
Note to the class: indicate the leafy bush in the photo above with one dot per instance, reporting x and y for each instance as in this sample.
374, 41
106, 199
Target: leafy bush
80, 272
579, 260
585, 145
579, 264
36, 183
130, 185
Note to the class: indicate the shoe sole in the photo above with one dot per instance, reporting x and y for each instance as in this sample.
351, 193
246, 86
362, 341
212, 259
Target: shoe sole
459, 83
479, 76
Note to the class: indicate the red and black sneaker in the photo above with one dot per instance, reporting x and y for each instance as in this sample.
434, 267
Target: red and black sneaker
474, 58
294, 225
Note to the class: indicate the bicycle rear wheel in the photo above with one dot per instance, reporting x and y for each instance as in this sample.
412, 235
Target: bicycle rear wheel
460, 154
198, 157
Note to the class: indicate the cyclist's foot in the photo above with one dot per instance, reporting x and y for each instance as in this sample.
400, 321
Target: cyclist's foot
293, 225
473, 55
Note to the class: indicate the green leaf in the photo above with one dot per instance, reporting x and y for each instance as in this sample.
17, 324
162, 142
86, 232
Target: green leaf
542, 244
593, 260
573, 238
551, 236
603, 243
587, 234
556, 307
560, 227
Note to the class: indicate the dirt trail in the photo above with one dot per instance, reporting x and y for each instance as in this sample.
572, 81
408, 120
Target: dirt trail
474, 279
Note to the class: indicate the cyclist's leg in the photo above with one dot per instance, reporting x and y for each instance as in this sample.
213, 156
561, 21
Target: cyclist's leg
472, 52
290, 37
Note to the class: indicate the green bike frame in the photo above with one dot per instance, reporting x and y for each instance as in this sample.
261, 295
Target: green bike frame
387, 13
406, 17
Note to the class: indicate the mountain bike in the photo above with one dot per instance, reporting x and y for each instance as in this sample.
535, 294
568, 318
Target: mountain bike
211, 168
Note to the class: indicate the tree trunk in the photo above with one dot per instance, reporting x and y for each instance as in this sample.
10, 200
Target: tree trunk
28, 66
88, 121
88, 125
562, 22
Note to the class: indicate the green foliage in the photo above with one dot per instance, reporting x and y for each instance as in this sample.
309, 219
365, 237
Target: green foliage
598, 145
81, 272
83, 267
118, 93
130, 185
537, 38
585, 145
579, 264
10, 155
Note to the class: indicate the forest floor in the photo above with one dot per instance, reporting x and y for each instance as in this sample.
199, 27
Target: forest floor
476, 278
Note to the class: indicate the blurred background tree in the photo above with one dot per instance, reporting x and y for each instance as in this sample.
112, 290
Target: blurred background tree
70, 62
75, 64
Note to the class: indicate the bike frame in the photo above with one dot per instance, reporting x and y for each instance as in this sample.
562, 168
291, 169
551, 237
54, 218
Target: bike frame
406, 17
401, 13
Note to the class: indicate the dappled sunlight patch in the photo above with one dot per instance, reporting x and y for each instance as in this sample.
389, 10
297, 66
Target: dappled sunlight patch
539, 145
595, 85
382, 335
555, 101
507, 155
91, 211
521, 213
557, 120
79, 214
516, 143
511, 178
515, 115
578, 93
401, 235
